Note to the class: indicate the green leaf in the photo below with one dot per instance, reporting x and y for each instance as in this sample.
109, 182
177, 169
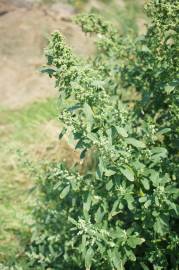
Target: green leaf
99, 215
92, 136
164, 131
169, 89
128, 173
145, 49
83, 244
109, 172
144, 267
134, 241
83, 153
155, 178
116, 258
109, 133
62, 133
87, 204
161, 151
130, 254
88, 113
50, 71
88, 258
114, 208
136, 143
121, 131
145, 183
65, 192
161, 225
174, 207
109, 185
101, 168
129, 199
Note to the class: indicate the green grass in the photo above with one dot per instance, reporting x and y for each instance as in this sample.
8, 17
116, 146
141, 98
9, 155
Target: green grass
125, 18
22, 124
19, 129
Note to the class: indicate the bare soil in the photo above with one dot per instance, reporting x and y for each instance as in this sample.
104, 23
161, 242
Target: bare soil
24, 28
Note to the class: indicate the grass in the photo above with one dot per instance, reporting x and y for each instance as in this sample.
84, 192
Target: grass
19, 129
23, 123
125, 18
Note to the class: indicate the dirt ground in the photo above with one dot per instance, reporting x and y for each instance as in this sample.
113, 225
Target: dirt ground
24, 28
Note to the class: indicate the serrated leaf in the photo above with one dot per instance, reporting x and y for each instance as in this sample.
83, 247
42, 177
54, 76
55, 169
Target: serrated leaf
128, 173
134, 241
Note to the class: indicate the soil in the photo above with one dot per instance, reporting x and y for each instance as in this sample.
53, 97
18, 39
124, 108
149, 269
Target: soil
24, 29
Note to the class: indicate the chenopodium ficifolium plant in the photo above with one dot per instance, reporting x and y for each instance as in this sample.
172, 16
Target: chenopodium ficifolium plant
123, 214
152, 67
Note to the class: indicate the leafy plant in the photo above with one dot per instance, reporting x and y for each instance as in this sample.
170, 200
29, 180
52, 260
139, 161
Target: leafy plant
123, 213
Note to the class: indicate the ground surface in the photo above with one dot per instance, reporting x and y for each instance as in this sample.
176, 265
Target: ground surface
24, 30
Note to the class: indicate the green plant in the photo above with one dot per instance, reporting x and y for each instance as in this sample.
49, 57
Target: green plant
153, 69
123, 213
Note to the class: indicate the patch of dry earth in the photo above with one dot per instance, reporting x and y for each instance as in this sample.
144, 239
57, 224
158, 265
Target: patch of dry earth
24, 30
